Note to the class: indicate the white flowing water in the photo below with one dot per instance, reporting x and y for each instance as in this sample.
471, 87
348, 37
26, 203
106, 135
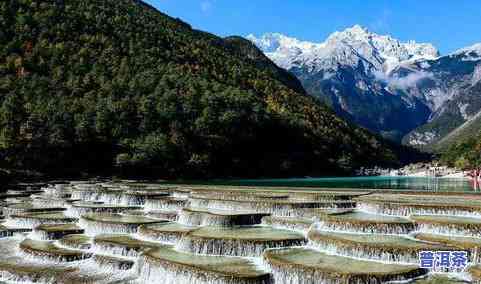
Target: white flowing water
360, 252
232, 247
168, 273
449, 230
93, 228
108, 262
165, 204
406, 210
114, 250
381, 228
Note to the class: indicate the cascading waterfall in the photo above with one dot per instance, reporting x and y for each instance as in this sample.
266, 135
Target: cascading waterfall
449, 229
12, 277
17, 266
298, 275
71, 244
87, 195
165, 204
13, 232
114, 263
225, 219
39, 235
46, 258
158, 271
76, 211
288, 223
403, 210
114, 250
110, 197
380, 228
276, 209
22, 222
249, 248
197, 256
7, 211
199, 203
136, 198
180, 194
242, 196
56, 191
165, 237
163, 215
48, 252
129, 199
54, 232
307, 265
362, 252
93, 228
189, 218
91, 272
49, 202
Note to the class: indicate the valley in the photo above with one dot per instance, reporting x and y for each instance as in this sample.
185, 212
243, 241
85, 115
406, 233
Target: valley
148, 143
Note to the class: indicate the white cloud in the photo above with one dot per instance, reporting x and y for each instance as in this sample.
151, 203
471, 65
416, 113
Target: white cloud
328, 75
403, 82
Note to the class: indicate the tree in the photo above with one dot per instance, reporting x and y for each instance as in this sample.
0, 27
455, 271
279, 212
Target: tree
466, 155
119, 83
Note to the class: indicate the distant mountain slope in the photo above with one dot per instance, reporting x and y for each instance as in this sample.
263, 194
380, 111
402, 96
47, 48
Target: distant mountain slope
404, 91
470, 128
454, 91
349, 71
246, 50
464, 150
88, 85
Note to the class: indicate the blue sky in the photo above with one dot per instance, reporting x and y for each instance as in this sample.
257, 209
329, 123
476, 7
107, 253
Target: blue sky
448, 24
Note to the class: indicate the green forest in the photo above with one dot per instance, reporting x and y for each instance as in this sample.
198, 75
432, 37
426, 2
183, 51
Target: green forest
465, 154
115, 85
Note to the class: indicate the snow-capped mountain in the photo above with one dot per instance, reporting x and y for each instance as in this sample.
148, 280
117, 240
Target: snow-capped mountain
453, 93
347, 47
379, 82
472, 53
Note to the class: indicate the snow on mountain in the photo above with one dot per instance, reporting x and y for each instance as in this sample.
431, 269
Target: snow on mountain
281, 49
398, 89
452, 94
272, 42
348, 47
471, 53
476, 75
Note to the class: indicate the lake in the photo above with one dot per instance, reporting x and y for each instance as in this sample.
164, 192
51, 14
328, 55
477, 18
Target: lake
377, 182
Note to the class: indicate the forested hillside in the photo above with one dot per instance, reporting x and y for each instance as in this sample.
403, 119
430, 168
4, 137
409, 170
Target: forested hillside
464, 154
96, 85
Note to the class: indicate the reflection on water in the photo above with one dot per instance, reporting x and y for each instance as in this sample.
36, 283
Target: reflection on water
379, 182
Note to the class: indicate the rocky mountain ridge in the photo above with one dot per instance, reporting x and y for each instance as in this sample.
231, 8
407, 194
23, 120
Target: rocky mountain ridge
403, 90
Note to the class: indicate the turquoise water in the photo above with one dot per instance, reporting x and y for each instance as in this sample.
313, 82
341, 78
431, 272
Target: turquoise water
377, 182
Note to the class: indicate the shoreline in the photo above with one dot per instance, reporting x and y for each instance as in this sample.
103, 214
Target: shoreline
450, 176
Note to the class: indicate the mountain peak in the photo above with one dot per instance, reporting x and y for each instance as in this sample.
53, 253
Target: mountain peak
356, 30
472, 52
271, 42
345, 47
475, 47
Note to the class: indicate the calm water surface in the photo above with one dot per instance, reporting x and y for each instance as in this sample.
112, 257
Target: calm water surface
377, 182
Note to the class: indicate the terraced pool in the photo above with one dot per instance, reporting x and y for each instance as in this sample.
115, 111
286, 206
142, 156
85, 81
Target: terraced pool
133, 232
